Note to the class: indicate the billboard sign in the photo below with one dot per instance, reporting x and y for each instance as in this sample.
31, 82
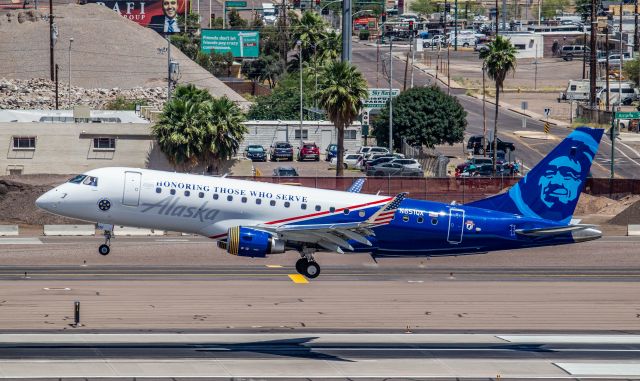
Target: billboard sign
241, 43
159, 15
379, 97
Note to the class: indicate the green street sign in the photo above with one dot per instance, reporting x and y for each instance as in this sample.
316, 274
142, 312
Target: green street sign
235, 4
241, 43
628, 115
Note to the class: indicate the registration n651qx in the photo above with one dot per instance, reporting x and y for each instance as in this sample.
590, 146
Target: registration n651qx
255, 219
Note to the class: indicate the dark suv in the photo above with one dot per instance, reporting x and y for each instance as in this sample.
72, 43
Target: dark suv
281, 150
475, 144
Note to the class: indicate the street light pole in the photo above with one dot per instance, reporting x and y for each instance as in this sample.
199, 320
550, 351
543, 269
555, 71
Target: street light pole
390, 92
69, 94
299, 43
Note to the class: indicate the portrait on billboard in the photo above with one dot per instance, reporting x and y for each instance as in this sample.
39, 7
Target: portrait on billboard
159, 15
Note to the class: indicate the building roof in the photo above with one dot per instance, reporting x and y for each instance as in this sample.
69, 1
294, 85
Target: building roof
66, 116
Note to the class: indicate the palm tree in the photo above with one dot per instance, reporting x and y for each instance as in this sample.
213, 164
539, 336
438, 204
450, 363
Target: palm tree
311, 29
499, 60
341, 91
224, 131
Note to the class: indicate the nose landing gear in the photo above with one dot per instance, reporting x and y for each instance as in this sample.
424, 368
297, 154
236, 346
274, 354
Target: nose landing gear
105, 249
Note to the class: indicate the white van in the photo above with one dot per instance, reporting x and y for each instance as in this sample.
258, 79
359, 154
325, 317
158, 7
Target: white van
579, 90
268, 13
624, 90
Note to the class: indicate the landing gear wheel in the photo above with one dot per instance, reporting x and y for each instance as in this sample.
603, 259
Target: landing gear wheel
301, 264
104, 249
312, 270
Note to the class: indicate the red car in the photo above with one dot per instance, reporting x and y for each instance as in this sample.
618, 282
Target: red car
309, 150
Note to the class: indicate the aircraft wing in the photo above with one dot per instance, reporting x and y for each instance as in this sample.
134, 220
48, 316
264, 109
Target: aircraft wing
335, 236
553, 231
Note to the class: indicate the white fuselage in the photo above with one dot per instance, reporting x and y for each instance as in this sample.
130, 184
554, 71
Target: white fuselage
197, 204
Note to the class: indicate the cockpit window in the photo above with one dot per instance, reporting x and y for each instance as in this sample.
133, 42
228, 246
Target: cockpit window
90, 180
78, 179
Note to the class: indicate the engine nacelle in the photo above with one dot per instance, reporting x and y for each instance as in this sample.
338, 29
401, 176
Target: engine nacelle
247, 242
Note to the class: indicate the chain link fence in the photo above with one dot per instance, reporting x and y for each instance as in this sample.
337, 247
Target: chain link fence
433, 162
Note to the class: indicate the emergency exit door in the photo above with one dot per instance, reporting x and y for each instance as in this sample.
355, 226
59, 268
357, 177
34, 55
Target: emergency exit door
456, 225
131, 195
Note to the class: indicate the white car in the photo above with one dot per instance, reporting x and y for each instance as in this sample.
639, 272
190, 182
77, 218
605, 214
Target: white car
351, 160
408, 163
375, 151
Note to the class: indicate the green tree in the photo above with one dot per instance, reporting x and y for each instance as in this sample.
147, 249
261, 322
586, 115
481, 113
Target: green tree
184, 131
284, 102
423, 116
264, 69
188, 44
550, 7
421, 7
235, 20
631, 70
499, 60
221, 63
121, 103
341, 91
224, 132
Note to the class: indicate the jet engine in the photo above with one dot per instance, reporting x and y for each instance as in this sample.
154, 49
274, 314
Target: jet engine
247, 242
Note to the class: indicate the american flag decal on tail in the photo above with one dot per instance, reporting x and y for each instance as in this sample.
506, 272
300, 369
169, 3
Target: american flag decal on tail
385, 214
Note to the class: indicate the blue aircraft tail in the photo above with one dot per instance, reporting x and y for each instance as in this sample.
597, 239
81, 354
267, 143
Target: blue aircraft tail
552, 188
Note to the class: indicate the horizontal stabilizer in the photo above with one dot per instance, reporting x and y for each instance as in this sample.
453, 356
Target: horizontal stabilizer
553, 231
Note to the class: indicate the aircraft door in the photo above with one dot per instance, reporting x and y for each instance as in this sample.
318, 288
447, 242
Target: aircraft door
131, 195
456, 225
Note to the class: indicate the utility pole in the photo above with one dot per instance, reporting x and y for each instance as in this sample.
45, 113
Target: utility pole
484, 113
51, 36
390, 92
168, 68
584, 55
504, 14
635, 28
606, 65
57, 96
282, 31
455, 26
346, 30
592, 64
497, 18
406, 64
621, 62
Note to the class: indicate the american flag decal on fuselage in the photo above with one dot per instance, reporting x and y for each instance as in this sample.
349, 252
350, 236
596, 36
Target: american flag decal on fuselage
385, 215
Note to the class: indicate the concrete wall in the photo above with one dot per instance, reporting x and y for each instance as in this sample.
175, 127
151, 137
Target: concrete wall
64, 148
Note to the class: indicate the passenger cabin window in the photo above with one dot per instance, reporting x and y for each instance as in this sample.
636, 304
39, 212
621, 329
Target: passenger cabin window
332, 209
287, 204
172, 191
434, 221
303, 206
158, 190
346, 211
318, 208
405, 218
420, 220
215, 196
201, 194
244, 199
187, 193
272, 202
229, 198
258, 201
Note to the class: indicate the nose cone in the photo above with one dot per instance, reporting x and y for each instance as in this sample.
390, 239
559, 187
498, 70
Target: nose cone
49, 201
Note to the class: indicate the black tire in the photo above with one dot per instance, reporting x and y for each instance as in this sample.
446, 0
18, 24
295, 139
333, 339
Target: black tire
104, 249
465, 45
301, 264
480, 151
318, 158
345, 165
312, 270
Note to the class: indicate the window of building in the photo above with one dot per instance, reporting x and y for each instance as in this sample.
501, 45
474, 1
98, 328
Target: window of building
229, 198
172, 191
305, 134
158, 190
187, 193
24, 142
108, 144
350, 134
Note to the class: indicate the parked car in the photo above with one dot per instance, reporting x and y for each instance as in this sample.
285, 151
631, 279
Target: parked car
331, 152
409, 163
484, 170
393, 169
569, 52
628, 92
256, 153
350, 160
439, 40
285, 172
475, 144
281, 150
309, 150
374, 151
393, 155
475, 162
377, 161
481, 47
614, 59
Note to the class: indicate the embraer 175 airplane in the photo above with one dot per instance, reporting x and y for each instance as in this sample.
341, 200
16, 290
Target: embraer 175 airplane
254, 219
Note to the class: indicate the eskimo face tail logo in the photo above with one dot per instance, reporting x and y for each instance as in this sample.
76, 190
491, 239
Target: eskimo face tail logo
560, 182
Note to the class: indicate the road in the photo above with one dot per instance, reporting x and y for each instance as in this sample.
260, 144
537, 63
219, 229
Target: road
529, 151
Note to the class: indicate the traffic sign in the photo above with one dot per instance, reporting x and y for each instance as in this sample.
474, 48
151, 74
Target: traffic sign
546, 127
547, 112
628, 115
235, 4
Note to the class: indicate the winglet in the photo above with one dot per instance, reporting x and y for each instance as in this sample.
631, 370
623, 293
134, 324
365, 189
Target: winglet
385, 214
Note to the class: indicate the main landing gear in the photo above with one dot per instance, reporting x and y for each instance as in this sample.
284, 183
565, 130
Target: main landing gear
307, 266
104, 249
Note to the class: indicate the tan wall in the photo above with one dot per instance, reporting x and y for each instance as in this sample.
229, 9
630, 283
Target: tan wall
67, 148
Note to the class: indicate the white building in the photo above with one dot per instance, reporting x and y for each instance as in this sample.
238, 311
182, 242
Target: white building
529, 45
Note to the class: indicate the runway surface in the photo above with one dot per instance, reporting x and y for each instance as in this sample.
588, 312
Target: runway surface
319, 356
561, 312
